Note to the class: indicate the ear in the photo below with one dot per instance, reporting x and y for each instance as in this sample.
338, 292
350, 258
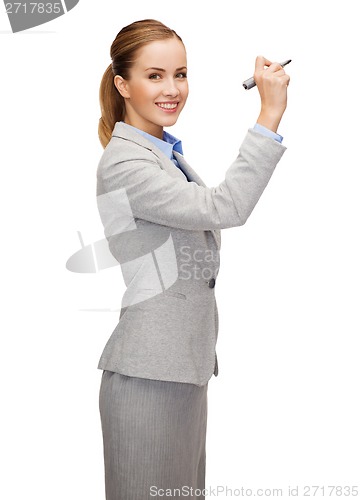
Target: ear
121, 85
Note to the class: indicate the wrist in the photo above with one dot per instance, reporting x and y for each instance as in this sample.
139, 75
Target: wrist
269, 119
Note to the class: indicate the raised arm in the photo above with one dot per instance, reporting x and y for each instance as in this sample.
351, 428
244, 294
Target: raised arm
139, 183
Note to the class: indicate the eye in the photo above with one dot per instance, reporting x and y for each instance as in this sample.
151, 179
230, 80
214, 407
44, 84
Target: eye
181, 75
154, 76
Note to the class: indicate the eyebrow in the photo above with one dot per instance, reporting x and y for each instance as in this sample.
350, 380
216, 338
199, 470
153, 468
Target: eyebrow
161, 69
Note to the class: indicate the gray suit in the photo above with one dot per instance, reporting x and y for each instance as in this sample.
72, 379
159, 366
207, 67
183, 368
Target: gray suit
163, 226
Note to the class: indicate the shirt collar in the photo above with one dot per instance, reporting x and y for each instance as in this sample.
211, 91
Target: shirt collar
167, 144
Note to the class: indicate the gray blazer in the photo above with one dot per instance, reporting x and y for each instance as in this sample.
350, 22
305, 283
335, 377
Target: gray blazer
163, 227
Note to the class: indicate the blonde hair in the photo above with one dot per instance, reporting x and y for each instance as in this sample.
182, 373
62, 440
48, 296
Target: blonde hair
123, 53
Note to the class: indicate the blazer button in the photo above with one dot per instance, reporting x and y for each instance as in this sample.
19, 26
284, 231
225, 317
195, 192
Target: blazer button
211, 283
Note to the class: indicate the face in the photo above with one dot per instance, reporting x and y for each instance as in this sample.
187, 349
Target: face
157, 88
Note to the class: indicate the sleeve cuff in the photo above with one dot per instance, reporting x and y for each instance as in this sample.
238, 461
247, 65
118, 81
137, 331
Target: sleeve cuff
269, 133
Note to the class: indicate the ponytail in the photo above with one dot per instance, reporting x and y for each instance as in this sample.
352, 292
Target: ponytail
112, 106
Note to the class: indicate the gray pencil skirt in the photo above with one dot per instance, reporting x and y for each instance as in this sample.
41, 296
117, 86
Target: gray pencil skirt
154, 435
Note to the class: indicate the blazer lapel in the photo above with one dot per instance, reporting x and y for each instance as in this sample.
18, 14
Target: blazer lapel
190, 173
125, 132
194, 177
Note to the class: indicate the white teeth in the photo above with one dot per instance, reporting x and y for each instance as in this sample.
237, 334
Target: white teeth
167, 105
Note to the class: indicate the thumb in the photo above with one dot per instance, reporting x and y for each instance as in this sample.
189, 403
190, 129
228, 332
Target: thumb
260, 62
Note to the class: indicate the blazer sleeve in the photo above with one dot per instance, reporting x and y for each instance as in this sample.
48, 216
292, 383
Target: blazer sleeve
155, 196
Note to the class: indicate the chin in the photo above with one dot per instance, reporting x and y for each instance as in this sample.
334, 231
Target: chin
170, 121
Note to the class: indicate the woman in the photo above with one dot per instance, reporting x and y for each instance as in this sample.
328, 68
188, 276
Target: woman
163, 226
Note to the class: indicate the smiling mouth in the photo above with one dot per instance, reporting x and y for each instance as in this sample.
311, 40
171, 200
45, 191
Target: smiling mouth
167, 105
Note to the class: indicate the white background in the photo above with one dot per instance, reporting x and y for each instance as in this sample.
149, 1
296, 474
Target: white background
284, 409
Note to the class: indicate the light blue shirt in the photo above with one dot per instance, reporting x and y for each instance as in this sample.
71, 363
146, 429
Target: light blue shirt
269, 133
169, 143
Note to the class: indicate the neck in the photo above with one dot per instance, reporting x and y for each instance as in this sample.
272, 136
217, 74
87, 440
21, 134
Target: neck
149, 128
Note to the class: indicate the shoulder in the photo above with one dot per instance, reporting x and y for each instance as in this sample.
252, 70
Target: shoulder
127, 146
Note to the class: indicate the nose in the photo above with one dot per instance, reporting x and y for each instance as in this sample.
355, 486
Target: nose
171, 88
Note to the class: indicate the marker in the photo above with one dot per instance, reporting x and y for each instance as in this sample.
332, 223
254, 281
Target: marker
250, 82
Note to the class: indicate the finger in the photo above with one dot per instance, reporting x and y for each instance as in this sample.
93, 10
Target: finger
260, 62
286, 79
277, 72
274, 67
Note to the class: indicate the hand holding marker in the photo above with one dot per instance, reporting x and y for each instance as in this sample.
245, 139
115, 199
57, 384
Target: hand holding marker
250, 82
